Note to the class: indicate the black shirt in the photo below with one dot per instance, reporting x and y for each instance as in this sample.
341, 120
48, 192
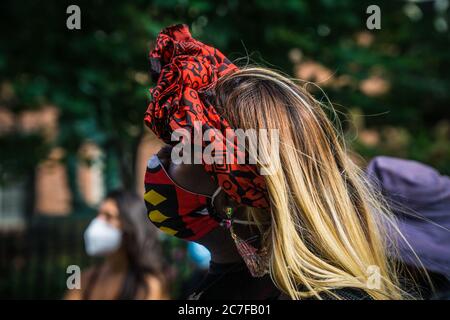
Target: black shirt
233, 281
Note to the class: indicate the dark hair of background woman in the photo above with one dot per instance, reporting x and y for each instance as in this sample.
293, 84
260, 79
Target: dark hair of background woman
140, 243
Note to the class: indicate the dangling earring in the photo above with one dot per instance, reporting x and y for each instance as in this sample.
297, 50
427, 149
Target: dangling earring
256, 260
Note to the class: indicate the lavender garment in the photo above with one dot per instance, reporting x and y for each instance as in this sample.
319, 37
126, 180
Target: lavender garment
414, 189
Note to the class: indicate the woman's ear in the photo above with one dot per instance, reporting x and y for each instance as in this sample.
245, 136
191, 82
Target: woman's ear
222, 201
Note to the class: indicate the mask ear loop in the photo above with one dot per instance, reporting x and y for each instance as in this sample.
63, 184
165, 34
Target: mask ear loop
213, 197
256, 260
211, 207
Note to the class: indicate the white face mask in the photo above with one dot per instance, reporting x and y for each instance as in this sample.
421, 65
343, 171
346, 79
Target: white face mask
101, 238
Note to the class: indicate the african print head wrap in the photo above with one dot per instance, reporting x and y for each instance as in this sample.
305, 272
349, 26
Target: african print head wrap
184, 70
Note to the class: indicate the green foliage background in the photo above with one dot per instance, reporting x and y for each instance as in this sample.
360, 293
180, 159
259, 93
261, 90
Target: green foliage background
90, 74
97, 77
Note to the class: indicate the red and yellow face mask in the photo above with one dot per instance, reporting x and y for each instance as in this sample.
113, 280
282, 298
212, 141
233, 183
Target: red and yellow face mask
184, 214
175, 210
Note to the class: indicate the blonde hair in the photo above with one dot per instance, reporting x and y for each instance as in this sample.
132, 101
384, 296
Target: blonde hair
327, 223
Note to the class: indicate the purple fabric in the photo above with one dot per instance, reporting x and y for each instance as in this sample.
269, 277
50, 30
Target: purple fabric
420, 198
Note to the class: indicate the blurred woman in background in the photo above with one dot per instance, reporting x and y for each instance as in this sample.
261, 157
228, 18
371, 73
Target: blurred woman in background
132, 266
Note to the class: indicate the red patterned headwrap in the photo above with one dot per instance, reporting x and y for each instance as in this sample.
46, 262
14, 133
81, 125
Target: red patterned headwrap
185, 69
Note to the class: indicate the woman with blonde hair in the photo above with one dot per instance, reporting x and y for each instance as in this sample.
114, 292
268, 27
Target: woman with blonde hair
310, 227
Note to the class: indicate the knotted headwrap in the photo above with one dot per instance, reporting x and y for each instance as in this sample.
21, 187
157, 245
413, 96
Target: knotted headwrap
184, 69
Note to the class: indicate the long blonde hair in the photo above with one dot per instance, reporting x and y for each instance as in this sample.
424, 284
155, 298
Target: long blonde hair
327, 224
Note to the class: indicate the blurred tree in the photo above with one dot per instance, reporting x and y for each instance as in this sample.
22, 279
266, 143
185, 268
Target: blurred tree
97, 76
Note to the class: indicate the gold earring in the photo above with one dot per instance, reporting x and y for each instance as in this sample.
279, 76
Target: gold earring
229, 212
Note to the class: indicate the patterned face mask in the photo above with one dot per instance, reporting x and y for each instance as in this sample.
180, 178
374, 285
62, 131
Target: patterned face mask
184, 214
173, 209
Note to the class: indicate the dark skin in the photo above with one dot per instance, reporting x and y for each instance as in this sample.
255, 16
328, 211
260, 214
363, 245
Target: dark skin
194, 178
